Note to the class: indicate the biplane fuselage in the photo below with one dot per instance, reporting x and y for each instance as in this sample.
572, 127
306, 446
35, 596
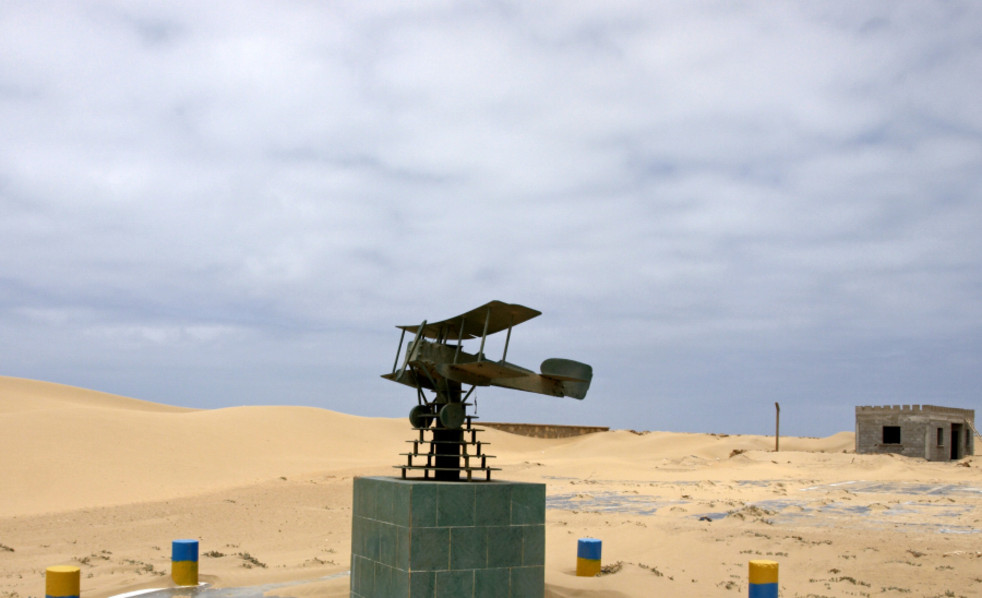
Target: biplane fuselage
434, 361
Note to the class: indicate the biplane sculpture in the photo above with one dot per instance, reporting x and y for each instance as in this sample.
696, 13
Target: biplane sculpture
435, 361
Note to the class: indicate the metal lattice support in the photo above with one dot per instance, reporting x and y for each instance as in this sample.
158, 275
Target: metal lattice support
449, 454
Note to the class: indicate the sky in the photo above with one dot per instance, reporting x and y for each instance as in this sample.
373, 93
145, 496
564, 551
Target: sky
717, 205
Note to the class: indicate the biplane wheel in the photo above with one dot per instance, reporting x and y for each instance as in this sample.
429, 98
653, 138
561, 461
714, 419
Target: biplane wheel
452, 415
420, 416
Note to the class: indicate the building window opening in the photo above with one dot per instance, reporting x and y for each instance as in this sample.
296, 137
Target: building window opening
940, 436
891, 434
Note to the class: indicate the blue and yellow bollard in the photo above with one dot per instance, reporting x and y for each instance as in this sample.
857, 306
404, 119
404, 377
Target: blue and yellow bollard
184, 562
763, 579
588, 557
62, 582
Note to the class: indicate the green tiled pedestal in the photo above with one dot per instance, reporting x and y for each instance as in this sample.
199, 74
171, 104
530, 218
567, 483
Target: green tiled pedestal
429, 539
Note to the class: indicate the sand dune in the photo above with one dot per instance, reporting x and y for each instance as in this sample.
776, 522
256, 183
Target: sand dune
95, 449
105, 482
20, 394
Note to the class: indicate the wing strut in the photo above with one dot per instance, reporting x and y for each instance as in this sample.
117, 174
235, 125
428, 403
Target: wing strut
484, 336
409, 352
460, 339
504, 355
402, 337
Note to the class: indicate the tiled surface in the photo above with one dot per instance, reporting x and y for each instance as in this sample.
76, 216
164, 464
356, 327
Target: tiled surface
428, 539
203, 591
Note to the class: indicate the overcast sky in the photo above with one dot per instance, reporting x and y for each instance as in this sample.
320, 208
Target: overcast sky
718, 205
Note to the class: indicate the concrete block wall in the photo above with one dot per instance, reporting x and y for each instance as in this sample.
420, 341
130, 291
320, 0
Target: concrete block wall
426, 539
545, 430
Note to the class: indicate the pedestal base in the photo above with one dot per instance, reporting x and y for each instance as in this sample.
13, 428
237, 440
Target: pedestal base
429, 539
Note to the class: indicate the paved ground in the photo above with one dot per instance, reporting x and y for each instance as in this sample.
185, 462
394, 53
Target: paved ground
926, 507
206, 592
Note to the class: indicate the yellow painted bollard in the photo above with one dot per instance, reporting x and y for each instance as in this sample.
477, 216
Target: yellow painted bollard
763, 579
62, 582
588, 557
184, 562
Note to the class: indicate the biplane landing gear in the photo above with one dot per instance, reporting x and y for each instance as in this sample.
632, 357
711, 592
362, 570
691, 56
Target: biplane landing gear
421, 416
452, 415
449, 415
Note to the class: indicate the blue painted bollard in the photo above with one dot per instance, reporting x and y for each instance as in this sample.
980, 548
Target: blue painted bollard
588, 557
61, 582
763, 579
184, 562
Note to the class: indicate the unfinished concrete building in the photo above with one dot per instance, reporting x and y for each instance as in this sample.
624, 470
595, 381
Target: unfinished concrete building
925, 431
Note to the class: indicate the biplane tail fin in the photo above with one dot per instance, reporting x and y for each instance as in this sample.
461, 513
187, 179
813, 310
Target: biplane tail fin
574, 375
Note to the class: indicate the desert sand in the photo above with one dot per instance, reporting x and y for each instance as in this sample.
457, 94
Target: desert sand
105, 483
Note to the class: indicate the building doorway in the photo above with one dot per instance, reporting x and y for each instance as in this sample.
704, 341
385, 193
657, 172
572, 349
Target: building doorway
956, 442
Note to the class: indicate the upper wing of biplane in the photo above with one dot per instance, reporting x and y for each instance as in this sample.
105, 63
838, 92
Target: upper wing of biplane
489, 318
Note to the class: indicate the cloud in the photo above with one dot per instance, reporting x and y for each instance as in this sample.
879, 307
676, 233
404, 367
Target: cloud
719, 206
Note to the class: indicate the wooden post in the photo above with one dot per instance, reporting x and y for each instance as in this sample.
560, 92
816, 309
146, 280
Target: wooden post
777, 428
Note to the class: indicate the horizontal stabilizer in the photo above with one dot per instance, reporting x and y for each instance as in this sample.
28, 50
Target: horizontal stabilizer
574, 375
